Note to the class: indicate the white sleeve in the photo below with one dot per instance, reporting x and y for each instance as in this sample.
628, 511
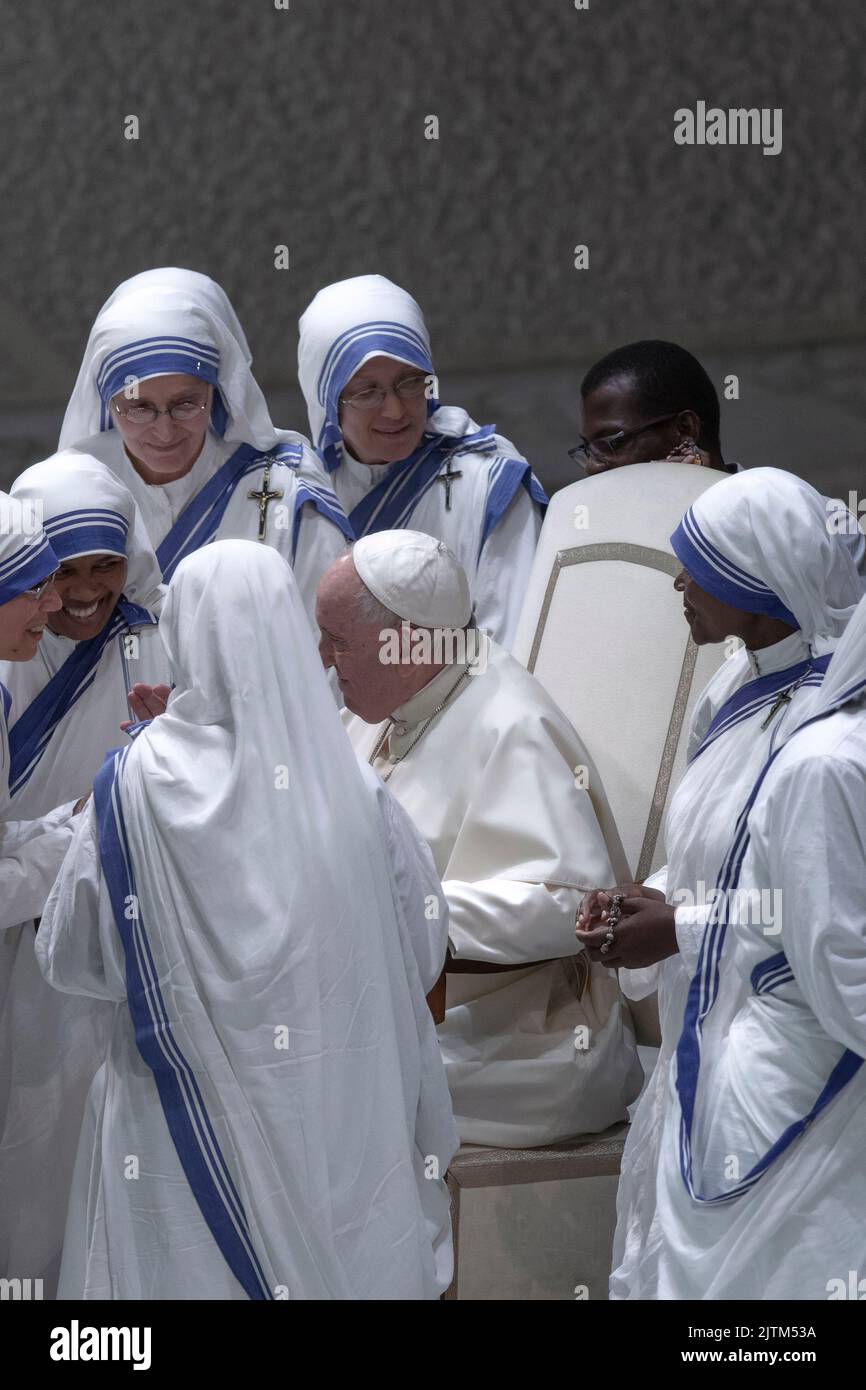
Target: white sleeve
78, 946
320, 543
690, 926
31, 853
416, 889
503, 570
508, 922
813, 837
658, 880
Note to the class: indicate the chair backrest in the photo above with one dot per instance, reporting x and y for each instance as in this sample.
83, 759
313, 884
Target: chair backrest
603, 630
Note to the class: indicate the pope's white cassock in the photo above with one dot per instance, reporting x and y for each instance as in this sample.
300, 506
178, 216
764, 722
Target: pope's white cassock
258, 912
757, 541
539, 1053
31, 852
174, 321
491, 510
762, 1188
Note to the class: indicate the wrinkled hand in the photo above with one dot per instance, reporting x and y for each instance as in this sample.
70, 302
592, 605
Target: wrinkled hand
645, 934
80, 804
593, 908
146, 702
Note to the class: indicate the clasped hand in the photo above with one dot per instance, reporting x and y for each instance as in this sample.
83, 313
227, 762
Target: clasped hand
645, 933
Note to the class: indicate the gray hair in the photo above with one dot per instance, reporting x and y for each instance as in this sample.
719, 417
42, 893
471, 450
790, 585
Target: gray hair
366, 608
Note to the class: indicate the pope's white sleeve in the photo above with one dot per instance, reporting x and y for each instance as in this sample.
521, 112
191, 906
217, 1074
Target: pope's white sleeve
31, 853
813, 835
417, 891
78, 946
503, 570
508, 922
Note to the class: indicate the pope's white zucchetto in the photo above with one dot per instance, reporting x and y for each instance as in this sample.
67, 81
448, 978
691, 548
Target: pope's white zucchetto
416, 576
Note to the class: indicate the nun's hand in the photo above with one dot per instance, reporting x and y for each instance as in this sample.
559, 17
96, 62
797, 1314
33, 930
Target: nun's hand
146, 702
645, 934
593, 908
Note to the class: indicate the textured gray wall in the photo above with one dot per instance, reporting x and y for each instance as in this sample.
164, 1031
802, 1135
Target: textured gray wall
261, 126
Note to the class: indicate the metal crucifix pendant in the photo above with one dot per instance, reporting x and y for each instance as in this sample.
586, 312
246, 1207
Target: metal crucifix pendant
783, 698
448, 478
263, 498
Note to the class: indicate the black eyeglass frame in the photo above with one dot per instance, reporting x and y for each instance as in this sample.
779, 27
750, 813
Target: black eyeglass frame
612, 442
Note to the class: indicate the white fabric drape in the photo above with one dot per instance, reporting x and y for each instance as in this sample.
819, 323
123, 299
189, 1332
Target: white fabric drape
770, 1050
291, 965
546, 1052
820, 588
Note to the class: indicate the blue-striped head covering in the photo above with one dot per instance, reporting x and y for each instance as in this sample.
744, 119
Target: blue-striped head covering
760, 541
345, 325
26, 554
157, 326
87, 510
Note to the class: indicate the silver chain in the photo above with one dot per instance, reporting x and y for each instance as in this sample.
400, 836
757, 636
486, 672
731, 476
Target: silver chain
421, 732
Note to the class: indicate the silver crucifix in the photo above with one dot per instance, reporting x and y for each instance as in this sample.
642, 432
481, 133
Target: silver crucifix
448, 478
263, 498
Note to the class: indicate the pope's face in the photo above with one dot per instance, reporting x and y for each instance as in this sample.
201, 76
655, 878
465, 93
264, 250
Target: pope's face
89, 588
22, 621
370, 687
391, 430
164, 449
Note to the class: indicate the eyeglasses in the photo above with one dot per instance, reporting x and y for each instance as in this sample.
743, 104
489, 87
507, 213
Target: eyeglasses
406, 389
146, 414
39, 589
605, 449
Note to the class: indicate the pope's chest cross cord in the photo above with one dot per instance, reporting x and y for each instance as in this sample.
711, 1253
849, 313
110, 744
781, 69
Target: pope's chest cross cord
449, 477
380, 743
263, 497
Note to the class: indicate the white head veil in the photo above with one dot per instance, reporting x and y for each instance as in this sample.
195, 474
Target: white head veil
845, 681
345, 325
759, 541
202, 288
87, 510
265, 900
165, 322
26, 554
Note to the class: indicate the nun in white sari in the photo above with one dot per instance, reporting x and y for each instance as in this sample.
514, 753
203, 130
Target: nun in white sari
66, 709
69, 701
33, 1162
268, 923
762, 1186
165, 396
758, 561
398, 459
